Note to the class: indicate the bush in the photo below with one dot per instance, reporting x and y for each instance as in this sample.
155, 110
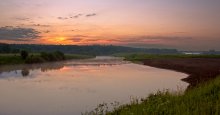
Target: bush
54, 56
45, 55
34, 59
24, 54
59, 55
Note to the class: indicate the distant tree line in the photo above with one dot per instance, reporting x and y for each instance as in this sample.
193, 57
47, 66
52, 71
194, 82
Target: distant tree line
211, 52
95, 50
6, 48
84, 50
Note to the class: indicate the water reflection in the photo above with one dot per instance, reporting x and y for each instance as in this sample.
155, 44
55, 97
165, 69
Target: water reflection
72, 87
25, 72
43, 67
26, 69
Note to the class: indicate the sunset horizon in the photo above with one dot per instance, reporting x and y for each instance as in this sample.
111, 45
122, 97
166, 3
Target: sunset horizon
109, 57
184, 25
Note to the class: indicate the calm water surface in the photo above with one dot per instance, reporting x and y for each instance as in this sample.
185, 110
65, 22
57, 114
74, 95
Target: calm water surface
72, 87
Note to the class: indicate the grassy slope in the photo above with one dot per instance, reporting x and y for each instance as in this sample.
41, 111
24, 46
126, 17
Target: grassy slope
202, 100
16, 59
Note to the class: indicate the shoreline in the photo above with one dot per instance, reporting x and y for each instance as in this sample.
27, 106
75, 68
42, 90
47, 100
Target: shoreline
199, 70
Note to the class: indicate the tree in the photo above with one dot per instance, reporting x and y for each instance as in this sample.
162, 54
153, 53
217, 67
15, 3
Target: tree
24, 54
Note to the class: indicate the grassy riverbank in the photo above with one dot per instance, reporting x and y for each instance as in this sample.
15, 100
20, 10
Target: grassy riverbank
12, 59
201, 100
202, 97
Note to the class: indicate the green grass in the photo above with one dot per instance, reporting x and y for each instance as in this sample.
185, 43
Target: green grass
10, 59
202, 100
140, 56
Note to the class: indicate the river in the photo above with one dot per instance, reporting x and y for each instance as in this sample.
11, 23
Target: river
75, 86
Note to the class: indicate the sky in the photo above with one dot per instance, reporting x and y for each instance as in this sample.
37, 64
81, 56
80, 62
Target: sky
181, 24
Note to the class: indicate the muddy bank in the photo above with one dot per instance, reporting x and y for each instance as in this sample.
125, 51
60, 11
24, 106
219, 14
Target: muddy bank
199, 69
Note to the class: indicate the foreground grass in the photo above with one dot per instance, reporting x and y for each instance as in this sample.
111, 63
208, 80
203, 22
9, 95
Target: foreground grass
140, 56
202, 100
12, 59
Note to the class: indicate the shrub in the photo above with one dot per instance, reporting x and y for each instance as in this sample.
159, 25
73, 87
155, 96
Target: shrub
59, 55
45, 55
24, 54
54, 56
34, 59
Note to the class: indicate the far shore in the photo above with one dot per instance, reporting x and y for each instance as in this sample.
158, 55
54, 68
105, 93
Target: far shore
199, 68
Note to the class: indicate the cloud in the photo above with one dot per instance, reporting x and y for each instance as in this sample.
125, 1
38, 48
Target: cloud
18, 33
47, 31
40, 25
180, 32
91, 15
149, 45
143, 39
80, 36
77, 16
22, 19
76, 39
135, 40
62, 18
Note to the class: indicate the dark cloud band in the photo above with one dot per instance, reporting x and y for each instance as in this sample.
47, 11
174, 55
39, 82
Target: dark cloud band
91, 15
18, 33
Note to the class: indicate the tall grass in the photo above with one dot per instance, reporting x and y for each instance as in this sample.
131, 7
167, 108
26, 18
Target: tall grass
202, 100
